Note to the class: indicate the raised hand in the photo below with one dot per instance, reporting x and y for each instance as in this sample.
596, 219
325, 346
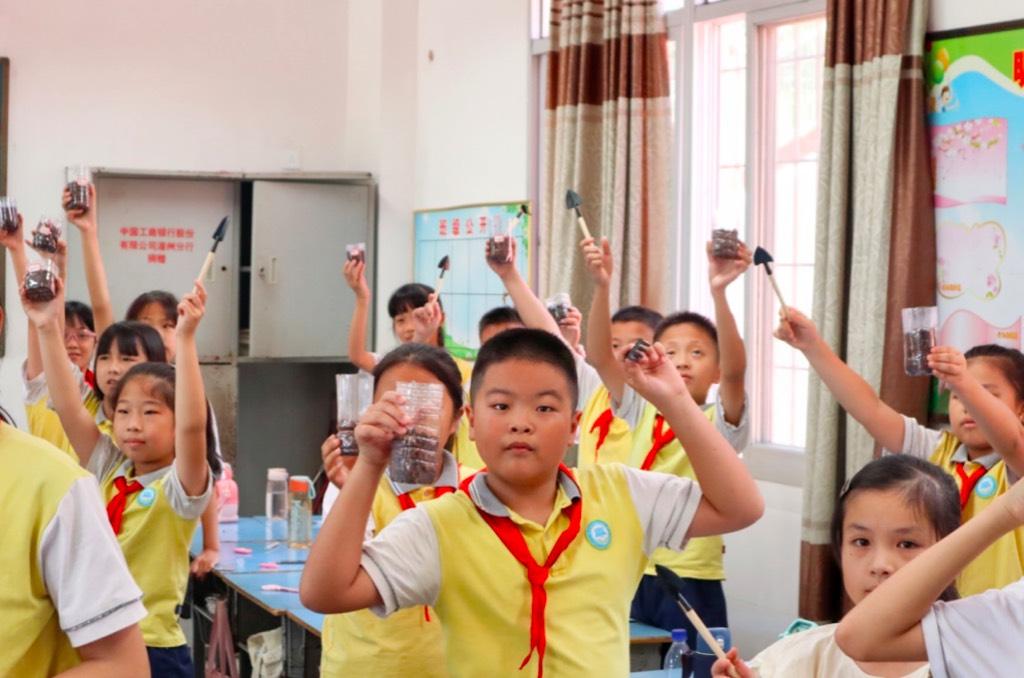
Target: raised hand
355, 277
14, 241
380, 424
949, 366
655, 378
334, 465
503, 269
85, 220
797, 330
721, 272
42, 313
427, 319
598, 258
191, 310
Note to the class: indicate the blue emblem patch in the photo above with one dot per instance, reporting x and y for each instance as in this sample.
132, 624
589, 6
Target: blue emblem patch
147, 497
986, 487
599, 534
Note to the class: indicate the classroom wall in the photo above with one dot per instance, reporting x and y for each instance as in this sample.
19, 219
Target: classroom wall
192, 85
949, 14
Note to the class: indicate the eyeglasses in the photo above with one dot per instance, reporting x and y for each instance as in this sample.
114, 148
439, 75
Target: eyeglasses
81, 336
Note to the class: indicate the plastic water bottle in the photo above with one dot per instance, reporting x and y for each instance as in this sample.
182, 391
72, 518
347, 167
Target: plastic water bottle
277, 494
300, 512
704, 658
677, 656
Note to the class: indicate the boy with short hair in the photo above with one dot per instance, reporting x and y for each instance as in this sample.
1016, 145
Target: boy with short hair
496, 321
704, 355
528, 558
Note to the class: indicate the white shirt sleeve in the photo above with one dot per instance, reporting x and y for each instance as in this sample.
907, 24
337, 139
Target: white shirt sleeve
84, 570
977, 636
36, 389
631, 408
738, 435
665, 505
589, 381
105, 457
189, 508
404, 562
918, 441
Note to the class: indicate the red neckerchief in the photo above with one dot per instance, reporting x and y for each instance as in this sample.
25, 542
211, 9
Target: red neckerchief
967, 482
603, 426
117, 504
406, 501
508, 532
660, 437
90, 379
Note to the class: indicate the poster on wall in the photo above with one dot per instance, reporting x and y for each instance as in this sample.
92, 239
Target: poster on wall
471, 288
976, 115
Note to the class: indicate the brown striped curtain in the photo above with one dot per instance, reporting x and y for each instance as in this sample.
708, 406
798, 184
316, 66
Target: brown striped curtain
875, 248
608, 137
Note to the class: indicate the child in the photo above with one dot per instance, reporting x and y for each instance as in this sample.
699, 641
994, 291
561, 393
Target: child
983, 450
55, 539
410, 641
471, 554
704, 355
159, 310
603, 436
496, 321
888, 514
977, 636
156, 478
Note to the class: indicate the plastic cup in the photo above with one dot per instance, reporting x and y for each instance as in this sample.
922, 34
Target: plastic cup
8, 214
416, 457
725, 243
41, 282
77, 178
559, 305
919, 331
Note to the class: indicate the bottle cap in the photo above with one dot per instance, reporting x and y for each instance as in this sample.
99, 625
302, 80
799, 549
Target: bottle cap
678, 635
298, 484
277, 474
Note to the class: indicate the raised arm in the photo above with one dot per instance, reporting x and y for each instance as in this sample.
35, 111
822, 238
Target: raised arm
79, 425
190, 397
599, 322
95, 273
531, 309
851, 391
333, 579
731, 500
732, 354
355, 276
14, 243
886, 626
1001, 426
121, 653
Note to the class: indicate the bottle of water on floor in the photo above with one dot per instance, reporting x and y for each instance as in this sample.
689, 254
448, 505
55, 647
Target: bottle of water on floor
677, 657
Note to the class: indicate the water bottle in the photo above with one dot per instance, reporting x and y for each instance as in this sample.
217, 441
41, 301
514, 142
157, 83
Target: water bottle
227, 496
277, 494
704, 658
677, 656
300, 512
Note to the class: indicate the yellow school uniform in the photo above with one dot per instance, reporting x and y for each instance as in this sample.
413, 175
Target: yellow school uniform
599, 421
404, 644
154, 538
42, 419
34, 481
464, 448
702, 558
486, 595
1002, 563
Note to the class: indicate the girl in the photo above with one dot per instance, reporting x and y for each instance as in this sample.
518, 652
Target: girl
983, 449
159, 310
153, 473
976, 636
891, 510
408, 642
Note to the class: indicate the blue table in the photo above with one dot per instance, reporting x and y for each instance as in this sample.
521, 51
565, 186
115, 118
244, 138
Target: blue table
275, 552
250, 529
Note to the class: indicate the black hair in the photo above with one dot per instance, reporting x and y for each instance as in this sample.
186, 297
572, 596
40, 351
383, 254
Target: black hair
163, 374
128, 335
76, 310
638, 314
499, 315
168, 302
1009, 360
527, 344
435, 360
687, 318
409, 297
926, 488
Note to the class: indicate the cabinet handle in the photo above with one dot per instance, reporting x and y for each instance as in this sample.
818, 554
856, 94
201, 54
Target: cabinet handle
268, 274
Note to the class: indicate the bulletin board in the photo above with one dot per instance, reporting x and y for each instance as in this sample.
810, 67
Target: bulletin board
471, 288
975, 92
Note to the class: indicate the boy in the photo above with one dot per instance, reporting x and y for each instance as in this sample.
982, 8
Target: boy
472, 554
68, 601
496, 321
976, 636
703, 355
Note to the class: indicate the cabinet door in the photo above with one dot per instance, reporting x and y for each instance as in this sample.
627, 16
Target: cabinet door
300, 304
154, 235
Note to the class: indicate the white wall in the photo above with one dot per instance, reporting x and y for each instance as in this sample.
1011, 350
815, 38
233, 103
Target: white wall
189, 85
949, 14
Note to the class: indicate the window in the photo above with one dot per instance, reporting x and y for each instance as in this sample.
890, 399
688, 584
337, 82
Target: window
746, 88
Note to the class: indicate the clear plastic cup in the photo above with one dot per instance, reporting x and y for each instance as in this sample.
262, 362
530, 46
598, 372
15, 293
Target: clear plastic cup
355, 394
416, 457
77, 178
559, 305
725, 243
46, 234
8, 214
356, 252
41, 282
919, 330
499, 245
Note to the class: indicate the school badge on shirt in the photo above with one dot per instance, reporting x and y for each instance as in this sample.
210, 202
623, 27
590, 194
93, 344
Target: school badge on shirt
599, 534
147, 497
986, 487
